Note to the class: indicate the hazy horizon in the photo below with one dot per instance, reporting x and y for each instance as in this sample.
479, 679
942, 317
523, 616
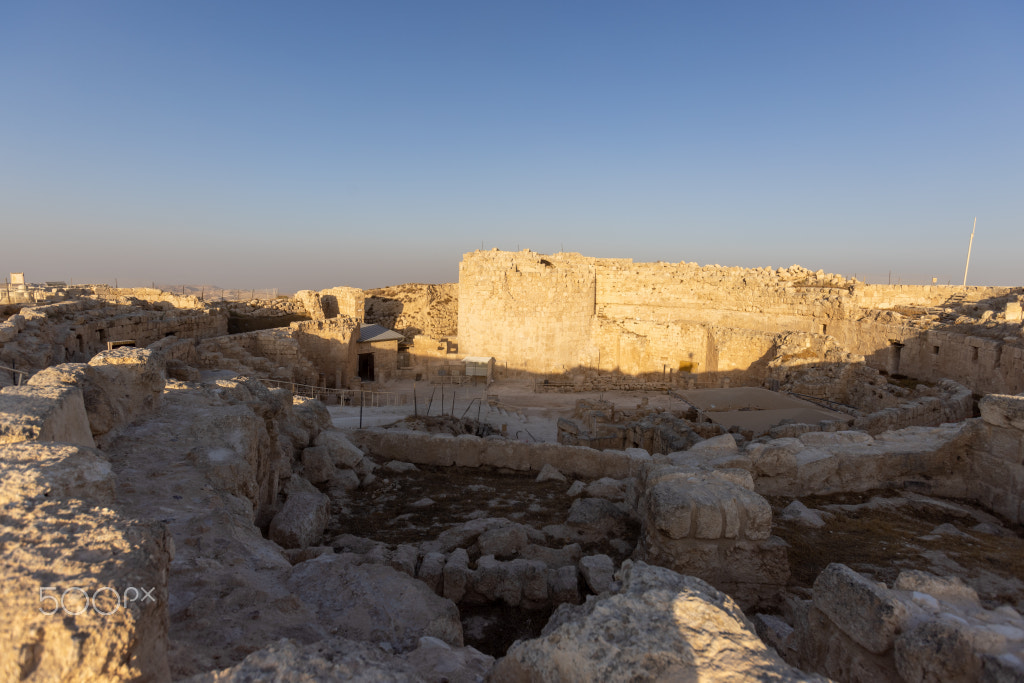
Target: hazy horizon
259, 145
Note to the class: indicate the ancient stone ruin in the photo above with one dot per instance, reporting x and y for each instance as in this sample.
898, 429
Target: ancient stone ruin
561, 468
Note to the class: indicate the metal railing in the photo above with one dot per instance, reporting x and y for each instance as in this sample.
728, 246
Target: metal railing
15, 373
349, 397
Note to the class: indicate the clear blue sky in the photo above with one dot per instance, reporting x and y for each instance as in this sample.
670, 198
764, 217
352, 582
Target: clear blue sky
304, 145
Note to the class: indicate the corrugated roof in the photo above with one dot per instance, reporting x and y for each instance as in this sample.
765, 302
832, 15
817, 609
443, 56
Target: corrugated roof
477, 359
378, 333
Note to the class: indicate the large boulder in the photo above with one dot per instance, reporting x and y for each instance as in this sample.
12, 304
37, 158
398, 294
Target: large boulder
302, 520
374, 603
340, 659
660, 626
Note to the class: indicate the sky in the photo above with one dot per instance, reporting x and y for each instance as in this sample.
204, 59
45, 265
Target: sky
304, 145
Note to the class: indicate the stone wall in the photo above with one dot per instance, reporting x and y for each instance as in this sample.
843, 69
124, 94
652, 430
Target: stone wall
331, 346
273, 353
997, 456
891, 296
472, 451
954, 404
545, 314
75, 331
385, 358
534, 311
347, 301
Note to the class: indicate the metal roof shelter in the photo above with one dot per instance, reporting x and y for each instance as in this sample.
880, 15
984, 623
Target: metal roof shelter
378, 333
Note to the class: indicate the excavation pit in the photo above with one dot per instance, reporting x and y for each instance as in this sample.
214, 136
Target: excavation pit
881, 533
435, 508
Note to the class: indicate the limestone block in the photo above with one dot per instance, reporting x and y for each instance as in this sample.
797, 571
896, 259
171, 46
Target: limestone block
7, 332
865, 611
134, 379
1005, 443
563, 585
799, 513
456, 575
596, 518
704, 507
1001, 410
318, 465
607, 488
504, 542
468, 450
776, 458
44, 413
310, 414
936, 650
345, 480
431, 570
302, 520
497, 580
598, 571
577, 489
373, 603
342, 451
553, 557
814, 467
404, 559
715, 447
550, 473
950, 589
436, 660
660, 626
55, 471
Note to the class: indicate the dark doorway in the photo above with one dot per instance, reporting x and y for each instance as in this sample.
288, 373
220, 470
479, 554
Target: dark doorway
894, 359
366, 367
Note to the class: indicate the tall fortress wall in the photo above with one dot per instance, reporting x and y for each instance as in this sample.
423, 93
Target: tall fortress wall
563, 312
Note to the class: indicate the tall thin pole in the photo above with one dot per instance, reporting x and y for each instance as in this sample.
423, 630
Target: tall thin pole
970, 244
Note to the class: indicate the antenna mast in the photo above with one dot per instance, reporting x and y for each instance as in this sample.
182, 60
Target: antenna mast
969, 245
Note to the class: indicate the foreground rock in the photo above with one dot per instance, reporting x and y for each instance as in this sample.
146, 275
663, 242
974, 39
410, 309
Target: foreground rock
374, 603
338, 659
661, 626
924, 628
84, 592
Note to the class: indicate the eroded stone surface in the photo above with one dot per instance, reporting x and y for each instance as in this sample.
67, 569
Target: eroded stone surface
660, 626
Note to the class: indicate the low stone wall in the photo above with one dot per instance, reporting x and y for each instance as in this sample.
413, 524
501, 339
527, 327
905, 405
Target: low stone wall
996, 456
714, 526
931, 459
955, 405
493, 451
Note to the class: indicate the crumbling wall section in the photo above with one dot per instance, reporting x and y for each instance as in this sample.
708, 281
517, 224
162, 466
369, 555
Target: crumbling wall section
997, 456
331, 346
